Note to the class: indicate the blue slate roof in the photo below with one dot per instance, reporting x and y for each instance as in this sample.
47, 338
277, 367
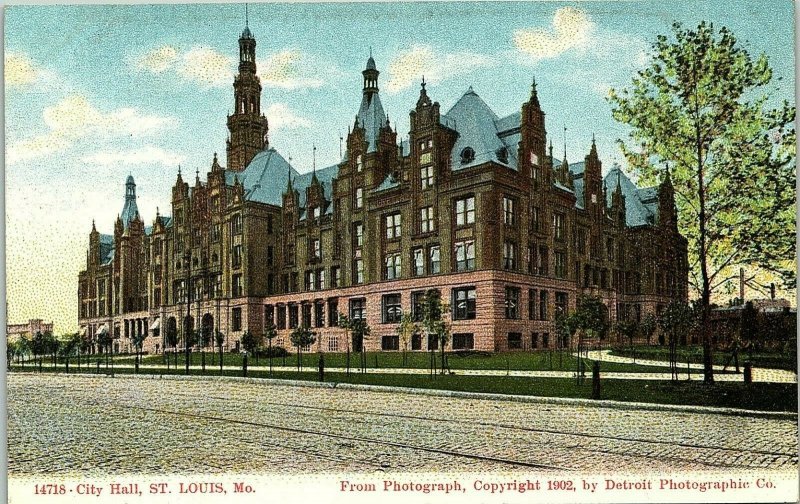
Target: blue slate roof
372, 118
106, 248
325, 177
265, 178
480, 129
638, 211
388, 183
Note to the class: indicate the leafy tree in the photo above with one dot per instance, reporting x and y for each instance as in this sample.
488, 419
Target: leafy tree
270, 333
249, 341
701, 107
302, 336
676, 321
69, 344
138, 343
627, 329
648, 327
359, 330
589, 319
566, 326
220, 339
104, 340
433, 320
405, 331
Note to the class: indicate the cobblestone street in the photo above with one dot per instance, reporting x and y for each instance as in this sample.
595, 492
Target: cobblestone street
84, 425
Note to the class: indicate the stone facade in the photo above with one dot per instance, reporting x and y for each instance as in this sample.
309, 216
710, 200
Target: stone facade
471, 204
27, 330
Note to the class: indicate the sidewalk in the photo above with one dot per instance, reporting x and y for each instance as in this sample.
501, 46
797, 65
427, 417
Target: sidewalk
759, 374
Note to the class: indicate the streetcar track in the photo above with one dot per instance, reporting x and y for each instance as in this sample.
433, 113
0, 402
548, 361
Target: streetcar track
394, 444
513, 427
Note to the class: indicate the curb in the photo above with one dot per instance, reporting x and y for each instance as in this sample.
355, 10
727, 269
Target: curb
558, 401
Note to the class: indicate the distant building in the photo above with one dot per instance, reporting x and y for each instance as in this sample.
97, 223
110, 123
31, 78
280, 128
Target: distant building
27, 330
471, 204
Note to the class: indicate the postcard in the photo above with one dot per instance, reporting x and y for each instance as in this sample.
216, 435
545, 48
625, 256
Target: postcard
486, 252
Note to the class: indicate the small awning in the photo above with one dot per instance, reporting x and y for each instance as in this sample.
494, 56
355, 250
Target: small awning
102, 329
156, 324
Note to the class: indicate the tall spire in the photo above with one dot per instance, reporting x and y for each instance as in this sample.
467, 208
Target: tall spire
370, 74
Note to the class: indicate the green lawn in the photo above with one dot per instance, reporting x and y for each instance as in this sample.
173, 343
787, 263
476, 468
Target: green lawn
757, 396
522, 361
775, 360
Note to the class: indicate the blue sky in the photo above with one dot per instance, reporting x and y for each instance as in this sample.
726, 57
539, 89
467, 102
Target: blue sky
96, 92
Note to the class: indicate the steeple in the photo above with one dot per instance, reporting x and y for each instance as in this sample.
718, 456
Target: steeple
370, 77
534, 94
247, 126
129, 210
423, 100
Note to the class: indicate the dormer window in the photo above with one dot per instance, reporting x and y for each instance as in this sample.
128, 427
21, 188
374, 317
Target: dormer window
467, 155
502, 155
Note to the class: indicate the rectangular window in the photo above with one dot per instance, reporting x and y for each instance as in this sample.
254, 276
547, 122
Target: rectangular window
236, 224
418, 258
543, 305
560, 258
508, 211
433, 342
416, 342
336, 274
333, 343
512, 302
418, 306
535, 340
281, 323
393, 226
561, 303
215, 233
358, 234
294, 316
390, 343
237, 286
465, 255
236, 256
536, 219
545, 340
236, 315
320, 279
581, 245
270, 255
359, 197
541, 260
269, 224
392, 312
393, 266
559, 226
269, 315
533, 311
309, 280
463, 341
358, 271
306, 315
426, 176
514, 341
465, 211
358, 309
464, 300
426, 220
434, 265
610, 249
509, 256
333, 312
316, 250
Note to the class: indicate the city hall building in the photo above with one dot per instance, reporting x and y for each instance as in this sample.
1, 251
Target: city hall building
470, 204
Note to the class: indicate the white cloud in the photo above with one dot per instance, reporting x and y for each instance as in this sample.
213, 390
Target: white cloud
158, 60
207, 67
288, 69
19, 70
201, 65
408, 67
571, 28
281, 117
147, 155
73, 118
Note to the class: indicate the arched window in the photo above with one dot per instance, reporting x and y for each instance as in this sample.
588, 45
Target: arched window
467, 155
